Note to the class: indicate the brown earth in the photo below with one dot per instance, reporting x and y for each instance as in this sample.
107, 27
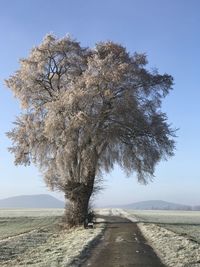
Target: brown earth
122, 246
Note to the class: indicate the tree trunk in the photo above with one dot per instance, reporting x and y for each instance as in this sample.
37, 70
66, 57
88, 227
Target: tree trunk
76, 210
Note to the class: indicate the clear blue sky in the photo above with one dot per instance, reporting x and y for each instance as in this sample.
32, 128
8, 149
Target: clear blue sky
167, 30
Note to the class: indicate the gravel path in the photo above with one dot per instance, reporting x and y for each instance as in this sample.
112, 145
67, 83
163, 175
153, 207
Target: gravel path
122, 246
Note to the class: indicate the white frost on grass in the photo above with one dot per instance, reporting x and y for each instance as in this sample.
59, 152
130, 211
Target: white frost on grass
103, 212
117, 212
65, 248
126, 214
173, 249
167, 216
30, 212
192, 231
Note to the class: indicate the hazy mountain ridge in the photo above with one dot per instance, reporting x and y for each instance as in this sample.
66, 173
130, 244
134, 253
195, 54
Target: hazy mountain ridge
48, 201
31, 201
156, 205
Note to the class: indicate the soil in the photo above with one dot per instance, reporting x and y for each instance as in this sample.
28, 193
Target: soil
122, 246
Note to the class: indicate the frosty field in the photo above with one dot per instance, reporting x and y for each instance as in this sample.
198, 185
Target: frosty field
35, 237
30, 212
185, 223
170, 217
174, 235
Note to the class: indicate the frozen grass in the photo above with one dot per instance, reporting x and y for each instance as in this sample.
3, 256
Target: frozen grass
185, 223
167, 217
174, 250
190, 231
38, 241
12, 226
117, 212
63, 248
30, 212
34, 237
11, 248
174, 235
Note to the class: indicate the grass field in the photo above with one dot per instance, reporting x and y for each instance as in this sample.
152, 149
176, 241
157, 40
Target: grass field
169, 217
191, 231
184, 223
174, 235
30, 212
23, 230
12, 226
18, 221
36, 238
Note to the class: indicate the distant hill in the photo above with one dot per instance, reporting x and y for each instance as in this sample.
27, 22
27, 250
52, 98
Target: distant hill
196, 208
32, 201
155, 205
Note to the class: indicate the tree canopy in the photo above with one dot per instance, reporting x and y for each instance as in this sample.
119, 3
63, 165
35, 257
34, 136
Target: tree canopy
84, 110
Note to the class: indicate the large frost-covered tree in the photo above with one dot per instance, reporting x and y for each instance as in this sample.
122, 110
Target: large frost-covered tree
84, 110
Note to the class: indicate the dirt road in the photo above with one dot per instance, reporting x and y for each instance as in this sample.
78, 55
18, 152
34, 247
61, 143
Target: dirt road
122, 246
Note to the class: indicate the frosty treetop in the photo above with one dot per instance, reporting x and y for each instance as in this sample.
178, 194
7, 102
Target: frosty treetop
85, 110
